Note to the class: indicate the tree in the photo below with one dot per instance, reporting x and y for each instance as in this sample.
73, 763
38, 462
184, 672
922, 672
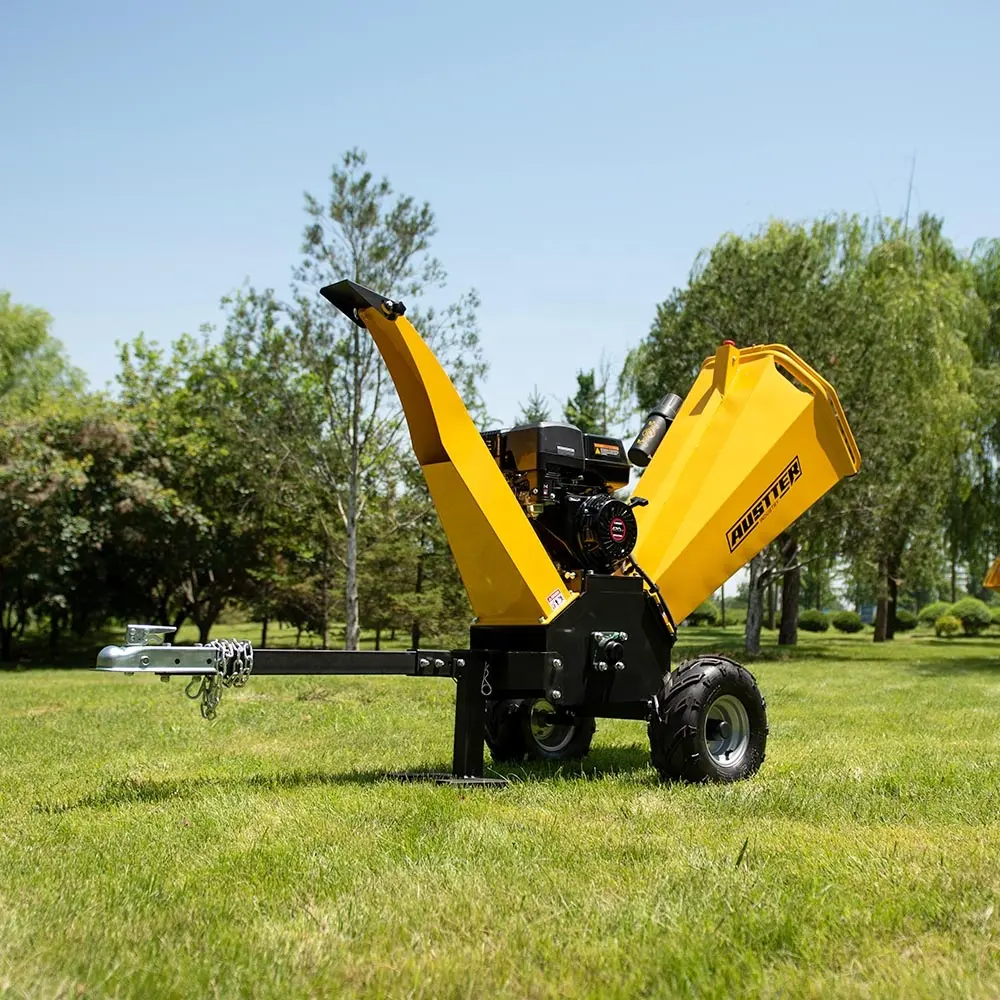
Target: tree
906, 373
33, 366
367, 234
192, 411
597, 407
585, 409
535, 410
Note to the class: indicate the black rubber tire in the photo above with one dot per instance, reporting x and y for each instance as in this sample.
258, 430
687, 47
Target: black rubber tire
677, 731
504, 733
510, 739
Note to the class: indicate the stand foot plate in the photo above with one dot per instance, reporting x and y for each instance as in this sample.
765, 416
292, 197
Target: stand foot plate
444, 778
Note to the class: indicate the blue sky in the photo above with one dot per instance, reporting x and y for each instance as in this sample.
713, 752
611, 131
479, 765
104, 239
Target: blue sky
577, 155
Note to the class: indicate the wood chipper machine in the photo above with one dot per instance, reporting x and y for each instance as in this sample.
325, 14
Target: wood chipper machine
578, 568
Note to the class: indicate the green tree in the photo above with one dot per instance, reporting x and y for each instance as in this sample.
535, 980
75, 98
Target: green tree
191, 411
585, 409
33, 366
905, 374
366, 233
535, 409
599, 403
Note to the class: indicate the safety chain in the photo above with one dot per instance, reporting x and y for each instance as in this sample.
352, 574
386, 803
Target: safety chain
233, 665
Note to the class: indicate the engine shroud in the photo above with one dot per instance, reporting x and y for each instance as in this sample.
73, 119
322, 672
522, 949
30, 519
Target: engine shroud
565, 481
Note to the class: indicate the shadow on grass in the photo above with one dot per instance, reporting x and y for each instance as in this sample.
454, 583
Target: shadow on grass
603, 762
983, 664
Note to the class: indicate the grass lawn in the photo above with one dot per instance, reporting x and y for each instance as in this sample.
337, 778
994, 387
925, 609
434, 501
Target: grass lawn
147, 853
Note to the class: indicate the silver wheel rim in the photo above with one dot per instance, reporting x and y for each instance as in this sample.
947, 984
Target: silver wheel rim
549, 735
727, 730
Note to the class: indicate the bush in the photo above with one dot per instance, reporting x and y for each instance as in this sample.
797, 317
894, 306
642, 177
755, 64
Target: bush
929, 614
995, 614
947, 626
905, 620
972, 613
813, 621
707, 613
847, 621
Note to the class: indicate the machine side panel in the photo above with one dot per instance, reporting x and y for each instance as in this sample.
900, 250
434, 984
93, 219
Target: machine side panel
748, 453
507, 572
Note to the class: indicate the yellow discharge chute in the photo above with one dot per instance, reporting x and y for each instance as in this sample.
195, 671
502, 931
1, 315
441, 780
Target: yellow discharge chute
506, 571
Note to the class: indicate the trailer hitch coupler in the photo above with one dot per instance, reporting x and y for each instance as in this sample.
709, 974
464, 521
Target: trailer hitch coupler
654, 430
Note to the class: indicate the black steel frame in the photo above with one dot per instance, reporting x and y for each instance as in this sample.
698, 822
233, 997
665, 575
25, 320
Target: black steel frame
558, 661
468, 667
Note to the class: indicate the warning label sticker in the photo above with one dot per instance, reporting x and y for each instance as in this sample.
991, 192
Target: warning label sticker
555, 599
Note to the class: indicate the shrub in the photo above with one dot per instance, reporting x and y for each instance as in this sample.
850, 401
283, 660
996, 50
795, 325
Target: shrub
847, 621
929, 614
813, 621
707, 613
905, 620
947, 626
995, 614
972, 613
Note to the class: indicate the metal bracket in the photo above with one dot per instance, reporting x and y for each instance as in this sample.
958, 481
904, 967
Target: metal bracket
607, 651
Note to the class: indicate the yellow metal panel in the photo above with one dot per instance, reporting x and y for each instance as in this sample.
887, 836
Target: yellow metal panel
508, 574
992, 581
747, 454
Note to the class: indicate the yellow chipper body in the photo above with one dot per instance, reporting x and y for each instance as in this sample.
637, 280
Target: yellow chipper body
580, 558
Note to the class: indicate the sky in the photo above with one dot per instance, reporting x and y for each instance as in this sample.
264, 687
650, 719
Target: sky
577, 156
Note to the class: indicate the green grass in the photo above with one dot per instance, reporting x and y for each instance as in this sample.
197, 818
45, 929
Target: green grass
147, 853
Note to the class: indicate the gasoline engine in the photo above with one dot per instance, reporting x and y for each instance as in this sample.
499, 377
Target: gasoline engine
566, 481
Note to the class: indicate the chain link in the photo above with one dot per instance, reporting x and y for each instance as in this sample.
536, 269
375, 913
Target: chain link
233, 666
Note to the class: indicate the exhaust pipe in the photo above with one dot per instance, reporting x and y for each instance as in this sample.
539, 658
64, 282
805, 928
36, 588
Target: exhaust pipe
654, 430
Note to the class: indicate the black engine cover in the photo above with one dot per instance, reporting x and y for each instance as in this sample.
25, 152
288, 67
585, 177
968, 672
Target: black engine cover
603, 529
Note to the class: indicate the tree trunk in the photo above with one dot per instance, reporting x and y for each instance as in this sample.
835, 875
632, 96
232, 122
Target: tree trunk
791, 585
755, 607
770, 606
6, 628
352, 629
378, 636
263, 631
722, 596
325, 596
953, 596
5, 632
54, 631
352, 623
415, 628
882, 607
892, 582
